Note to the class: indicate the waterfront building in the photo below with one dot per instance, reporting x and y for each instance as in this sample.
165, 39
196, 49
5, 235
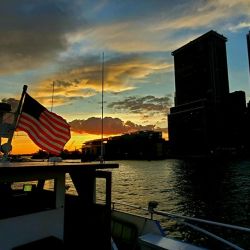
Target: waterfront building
139, 145
206, 118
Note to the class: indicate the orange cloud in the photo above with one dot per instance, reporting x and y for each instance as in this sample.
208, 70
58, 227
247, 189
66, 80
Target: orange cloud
111, 126
81, 80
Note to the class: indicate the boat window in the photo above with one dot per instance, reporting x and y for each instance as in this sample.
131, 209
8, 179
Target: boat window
69, 186
20, 198
24, 186
49, 184
27, 186
100, 191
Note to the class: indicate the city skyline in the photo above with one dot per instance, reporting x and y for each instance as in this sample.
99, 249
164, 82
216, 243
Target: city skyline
62, 43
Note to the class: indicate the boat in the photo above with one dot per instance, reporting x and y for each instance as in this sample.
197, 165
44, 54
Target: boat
37, 211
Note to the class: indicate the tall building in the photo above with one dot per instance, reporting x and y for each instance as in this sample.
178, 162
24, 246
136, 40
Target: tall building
200, 121
248, 49
201, 69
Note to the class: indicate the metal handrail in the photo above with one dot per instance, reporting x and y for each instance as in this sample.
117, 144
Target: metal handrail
128, 205
229, 243
202, 221
183, 219
176, 216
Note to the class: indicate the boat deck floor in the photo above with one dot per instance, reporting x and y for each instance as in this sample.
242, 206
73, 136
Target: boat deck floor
153, 241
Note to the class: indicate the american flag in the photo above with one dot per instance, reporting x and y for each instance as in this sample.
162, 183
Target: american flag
47, 130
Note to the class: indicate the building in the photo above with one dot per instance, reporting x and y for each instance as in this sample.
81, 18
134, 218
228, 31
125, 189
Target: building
201, 69
206, 118
248, 49
91, 150
139, 145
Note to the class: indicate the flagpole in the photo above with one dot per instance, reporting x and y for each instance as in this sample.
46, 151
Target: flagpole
52, 98
18, 112
101, 159
7, 146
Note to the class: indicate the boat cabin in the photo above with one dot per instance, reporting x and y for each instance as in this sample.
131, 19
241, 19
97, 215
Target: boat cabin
37, 212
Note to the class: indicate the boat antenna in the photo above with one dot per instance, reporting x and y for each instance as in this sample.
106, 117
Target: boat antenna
52, 97
101, 157
52, 105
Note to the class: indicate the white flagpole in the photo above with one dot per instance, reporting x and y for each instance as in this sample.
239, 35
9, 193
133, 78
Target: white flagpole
101, 158
52, 98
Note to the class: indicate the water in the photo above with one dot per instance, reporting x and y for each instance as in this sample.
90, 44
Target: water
218, 191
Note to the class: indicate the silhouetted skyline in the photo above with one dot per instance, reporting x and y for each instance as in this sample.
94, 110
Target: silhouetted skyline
207, 119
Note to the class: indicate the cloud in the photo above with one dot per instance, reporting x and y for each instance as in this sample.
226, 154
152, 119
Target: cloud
154, 25
111, 126
92, 125
203, 13
82, 78
33, 32
239, 26
37, 33
150, 105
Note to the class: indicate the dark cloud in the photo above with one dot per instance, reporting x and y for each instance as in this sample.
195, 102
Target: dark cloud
111, 126
149, 104
33, 32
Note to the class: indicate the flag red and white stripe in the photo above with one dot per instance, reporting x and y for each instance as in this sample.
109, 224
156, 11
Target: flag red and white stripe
47, 130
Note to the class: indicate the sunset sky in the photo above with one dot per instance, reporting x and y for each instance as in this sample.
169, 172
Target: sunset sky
62, 41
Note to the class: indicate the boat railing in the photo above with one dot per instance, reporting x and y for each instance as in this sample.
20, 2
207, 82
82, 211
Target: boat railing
187, 221
114, 203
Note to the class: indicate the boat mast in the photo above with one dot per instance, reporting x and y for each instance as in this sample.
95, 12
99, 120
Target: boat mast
101, 157
52, 97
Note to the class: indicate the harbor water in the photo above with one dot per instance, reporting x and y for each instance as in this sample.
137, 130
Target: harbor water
212, 190
218, 191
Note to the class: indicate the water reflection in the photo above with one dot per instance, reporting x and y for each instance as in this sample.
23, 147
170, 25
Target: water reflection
200, 187
214, 190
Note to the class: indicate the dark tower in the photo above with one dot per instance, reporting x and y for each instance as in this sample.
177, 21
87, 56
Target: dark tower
201, 69
201, 82
248, 49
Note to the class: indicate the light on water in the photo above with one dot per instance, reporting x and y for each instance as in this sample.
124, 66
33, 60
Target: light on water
218, 191
138, 182
210, 190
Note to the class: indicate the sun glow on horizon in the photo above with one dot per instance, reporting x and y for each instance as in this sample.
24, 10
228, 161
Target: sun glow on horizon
22, 144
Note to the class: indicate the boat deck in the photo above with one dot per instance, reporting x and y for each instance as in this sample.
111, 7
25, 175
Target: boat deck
32, 216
